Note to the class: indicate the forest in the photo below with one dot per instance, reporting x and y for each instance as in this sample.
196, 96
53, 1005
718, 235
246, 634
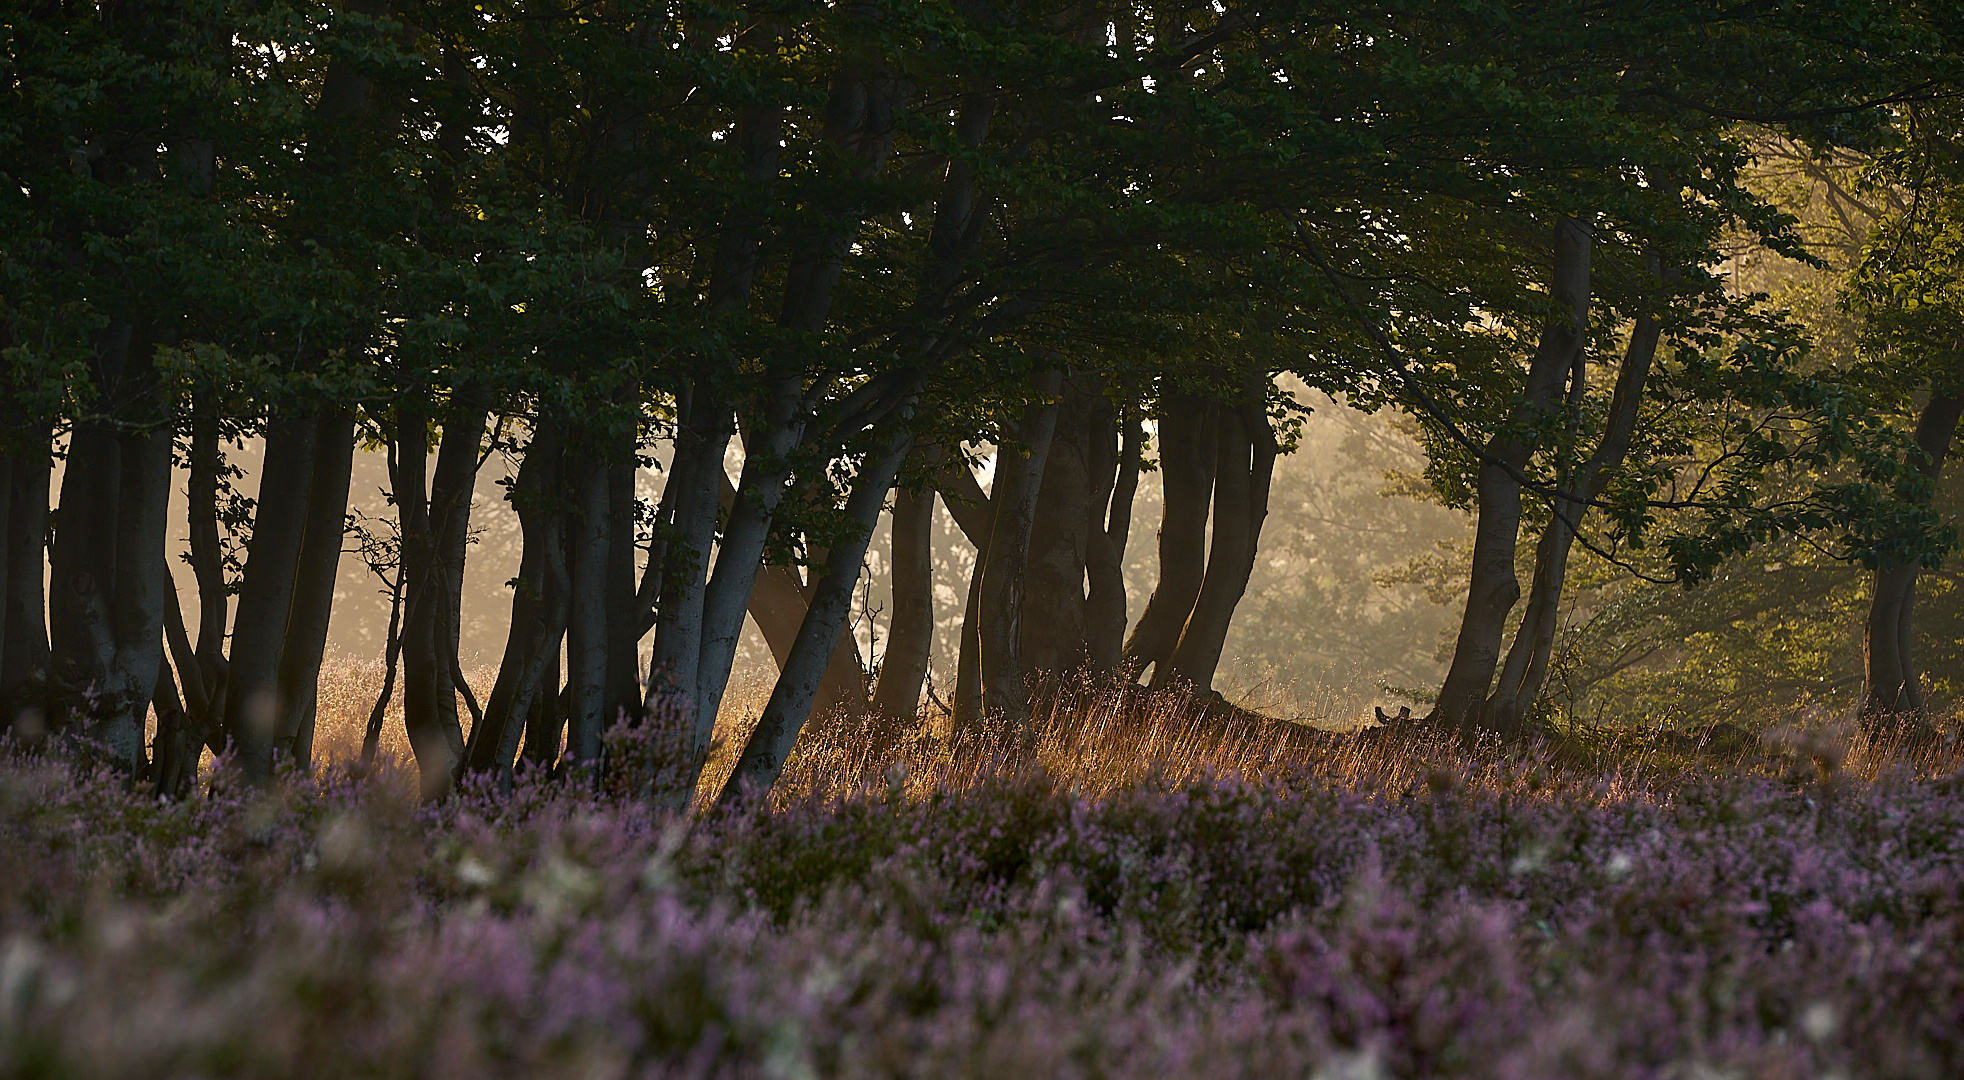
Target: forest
722, 538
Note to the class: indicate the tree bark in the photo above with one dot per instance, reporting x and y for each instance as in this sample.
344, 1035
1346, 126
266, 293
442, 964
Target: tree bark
538, 617
860, 115
1013, 500
110, 582
1053, 637
434, 528
763, 757
586, 621
1104, 604
1492, 588
1187, 448
313, 591
910, 633
1244, 465
1893, 703
279, 526
24, 661
1526, 669
623, 686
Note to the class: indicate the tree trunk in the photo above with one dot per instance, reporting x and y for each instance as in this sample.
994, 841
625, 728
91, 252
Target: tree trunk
975, 516
106, 608
24, 660
429, 624
279, 526
623, 687
860, 122
1187, 447
1526, 669
779, 604
698, 469
763, 757
313, 590
213, 672
1492, 588
1013, 500
586, 621
696, 472
1893, 703
1104, 604
1053, 638
1244, 465
910, 634
537, 621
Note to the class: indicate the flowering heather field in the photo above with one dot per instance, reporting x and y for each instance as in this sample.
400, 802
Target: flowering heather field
1346, 910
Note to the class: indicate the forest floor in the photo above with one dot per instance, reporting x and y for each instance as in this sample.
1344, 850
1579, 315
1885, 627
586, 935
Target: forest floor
1158, 890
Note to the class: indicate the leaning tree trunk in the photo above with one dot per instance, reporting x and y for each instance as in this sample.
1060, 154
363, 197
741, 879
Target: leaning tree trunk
763, 756
1492, 587
1018, 485
1893, 703
1187, 448
1244, 466
910, 634
974, 515
778, 605
1526, 669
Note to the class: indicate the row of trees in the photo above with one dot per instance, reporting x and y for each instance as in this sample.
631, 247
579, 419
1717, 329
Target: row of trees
851, 245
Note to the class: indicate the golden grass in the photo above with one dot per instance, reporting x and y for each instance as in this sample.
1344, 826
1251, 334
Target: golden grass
348, 687
1094, 738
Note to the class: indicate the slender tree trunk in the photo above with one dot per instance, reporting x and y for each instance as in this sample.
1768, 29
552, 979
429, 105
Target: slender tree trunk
586, 623
910, 634
179, 745
371, 738
1894, 700
766, 467
974, 514
860, 121
313, 590
1493, 589
428, 647
623, 696
763, 757
1526, 669
1104, 605
1018, 485
545, 720
1187, 448
208, 565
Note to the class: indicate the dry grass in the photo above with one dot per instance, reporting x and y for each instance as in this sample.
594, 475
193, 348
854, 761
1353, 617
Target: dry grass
348, 687
1095, 738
